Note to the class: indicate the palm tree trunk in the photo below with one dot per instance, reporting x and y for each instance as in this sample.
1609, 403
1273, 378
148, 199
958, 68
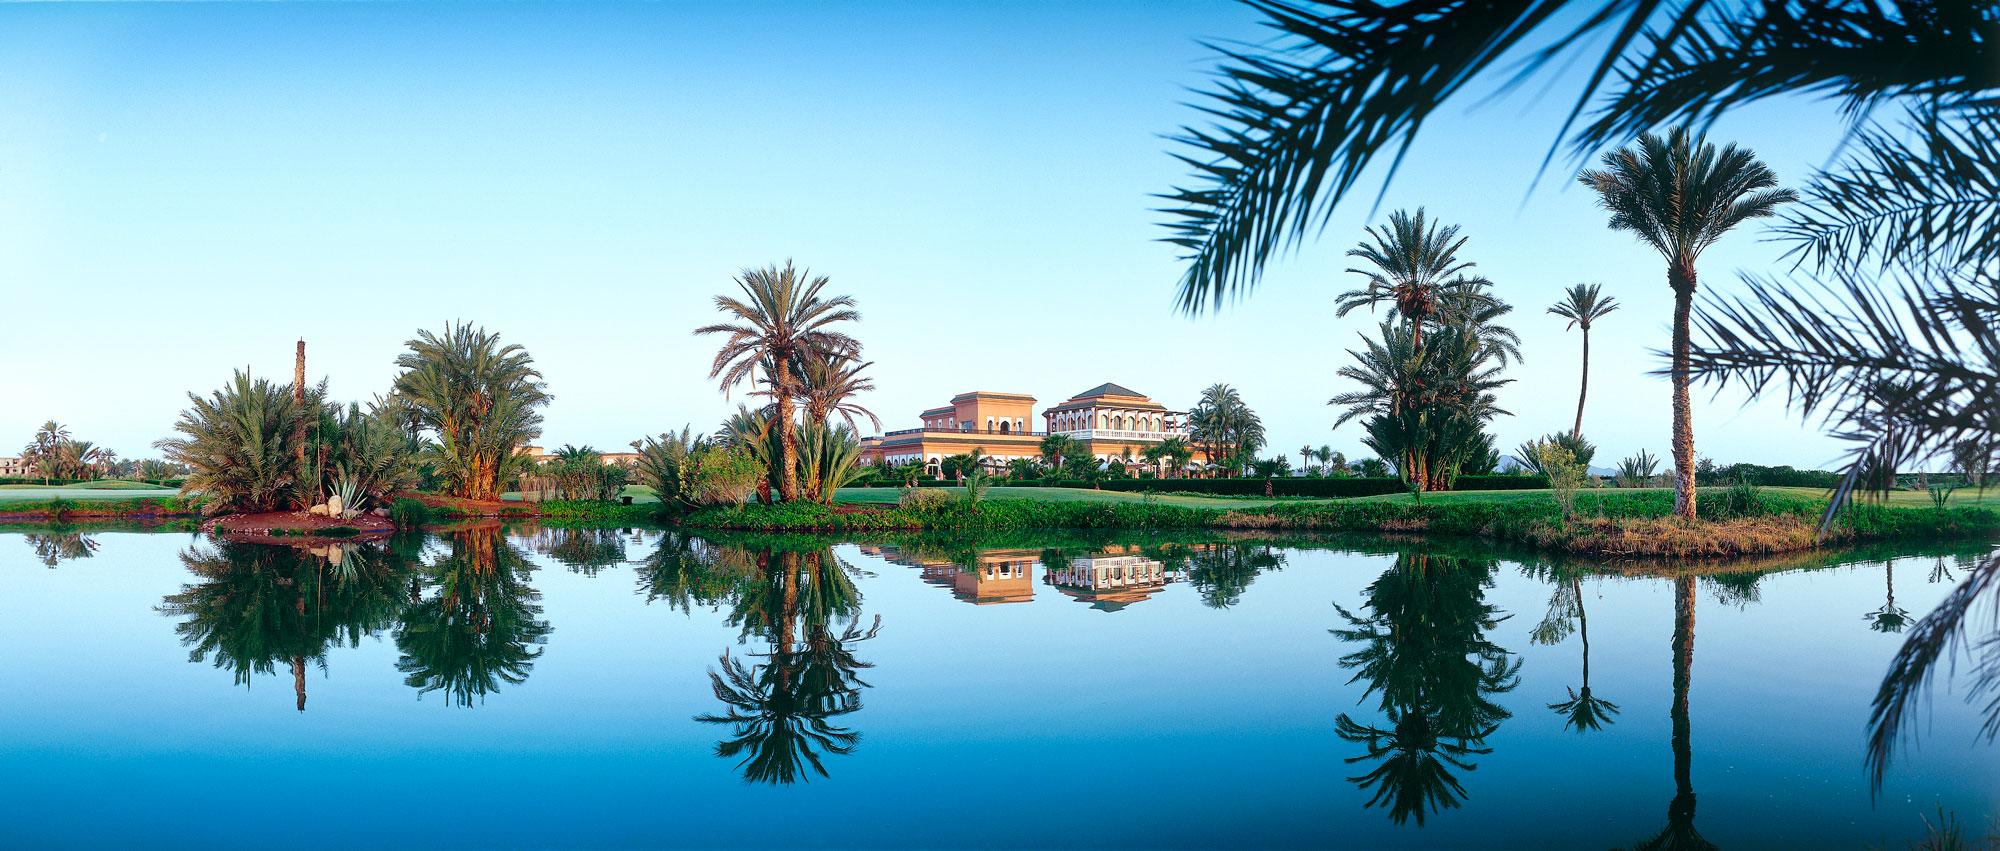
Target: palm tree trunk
1681, 278
299, 680
304, 497
788, 440
1583, 387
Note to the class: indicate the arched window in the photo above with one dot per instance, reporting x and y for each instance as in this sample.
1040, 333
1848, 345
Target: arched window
1003, 426
1103, 420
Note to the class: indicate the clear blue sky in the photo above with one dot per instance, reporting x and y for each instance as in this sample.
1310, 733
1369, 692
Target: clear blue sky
185, 189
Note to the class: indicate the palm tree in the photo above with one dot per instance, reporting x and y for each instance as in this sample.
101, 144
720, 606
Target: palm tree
1056, 447
1582, 305
42, 452
479, 399
828, 385
781, 319
1679, 194
237, 445
1227, 430
1425, 408
1415, 268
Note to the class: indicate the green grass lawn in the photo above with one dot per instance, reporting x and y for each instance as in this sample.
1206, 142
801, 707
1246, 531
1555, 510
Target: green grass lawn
25, 493
877, 496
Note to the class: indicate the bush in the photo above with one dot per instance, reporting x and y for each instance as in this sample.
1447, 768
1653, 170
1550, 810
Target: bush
408, 513
590, 509
920, 500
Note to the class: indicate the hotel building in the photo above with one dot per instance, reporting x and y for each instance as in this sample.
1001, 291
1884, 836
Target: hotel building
1109, 421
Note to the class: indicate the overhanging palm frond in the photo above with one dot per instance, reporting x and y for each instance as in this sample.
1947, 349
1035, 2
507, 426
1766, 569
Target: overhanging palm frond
1928, 192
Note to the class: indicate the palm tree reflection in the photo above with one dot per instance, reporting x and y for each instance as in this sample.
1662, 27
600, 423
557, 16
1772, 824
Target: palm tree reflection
1424, 651
481, 628
1583, 711
782, 709
55, 547
257, 605
1679, 832
1221, 572
1891, 617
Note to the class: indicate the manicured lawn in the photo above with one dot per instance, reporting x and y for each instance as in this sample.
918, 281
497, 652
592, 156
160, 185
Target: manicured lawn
890, 495
23, 493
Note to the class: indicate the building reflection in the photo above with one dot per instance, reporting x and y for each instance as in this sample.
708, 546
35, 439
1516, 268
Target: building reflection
980, 577
1110, 582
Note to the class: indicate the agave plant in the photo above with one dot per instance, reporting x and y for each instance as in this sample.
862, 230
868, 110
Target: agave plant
348, 487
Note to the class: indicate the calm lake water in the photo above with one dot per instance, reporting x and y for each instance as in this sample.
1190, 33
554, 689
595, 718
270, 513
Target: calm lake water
627, 688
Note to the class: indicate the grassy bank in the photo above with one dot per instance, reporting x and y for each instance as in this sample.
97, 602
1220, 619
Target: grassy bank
1613, 523
52, 509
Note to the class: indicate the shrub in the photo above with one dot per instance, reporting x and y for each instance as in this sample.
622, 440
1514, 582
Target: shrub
408, 513
1565, 474
920, 500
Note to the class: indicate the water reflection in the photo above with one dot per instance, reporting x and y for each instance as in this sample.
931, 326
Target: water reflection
1680, 832
1424, 655
55, 547
781, 709
479, 627
257, 606
586, 550
1584, 711
467, 622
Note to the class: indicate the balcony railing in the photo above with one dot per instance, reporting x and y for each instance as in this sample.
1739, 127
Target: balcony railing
982, 431
1119, 434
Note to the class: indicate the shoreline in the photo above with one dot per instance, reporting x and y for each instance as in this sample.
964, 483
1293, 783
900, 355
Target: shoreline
1609, 525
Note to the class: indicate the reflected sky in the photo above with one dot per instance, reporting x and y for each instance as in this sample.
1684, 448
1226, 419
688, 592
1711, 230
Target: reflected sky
633, 687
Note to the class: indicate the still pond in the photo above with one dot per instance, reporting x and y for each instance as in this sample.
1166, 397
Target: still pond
610, 688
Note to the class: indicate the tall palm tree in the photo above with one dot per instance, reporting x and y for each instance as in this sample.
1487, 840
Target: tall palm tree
479, 399
1414, 266
782, 317
1583, 305
1679, 194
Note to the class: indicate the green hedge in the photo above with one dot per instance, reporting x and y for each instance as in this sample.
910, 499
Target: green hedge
1283, 486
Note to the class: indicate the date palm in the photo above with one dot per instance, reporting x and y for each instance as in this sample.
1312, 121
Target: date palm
479, 399
1583, 305
1678, 194
42, 452
781, 318
1412, 264
830, 385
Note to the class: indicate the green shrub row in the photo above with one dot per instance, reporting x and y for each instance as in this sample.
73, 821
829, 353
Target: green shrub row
1281, 486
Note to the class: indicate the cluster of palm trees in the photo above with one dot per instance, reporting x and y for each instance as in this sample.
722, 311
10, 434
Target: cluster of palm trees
459, 418
57, 456
1228, 432
784, 337
1428, 377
